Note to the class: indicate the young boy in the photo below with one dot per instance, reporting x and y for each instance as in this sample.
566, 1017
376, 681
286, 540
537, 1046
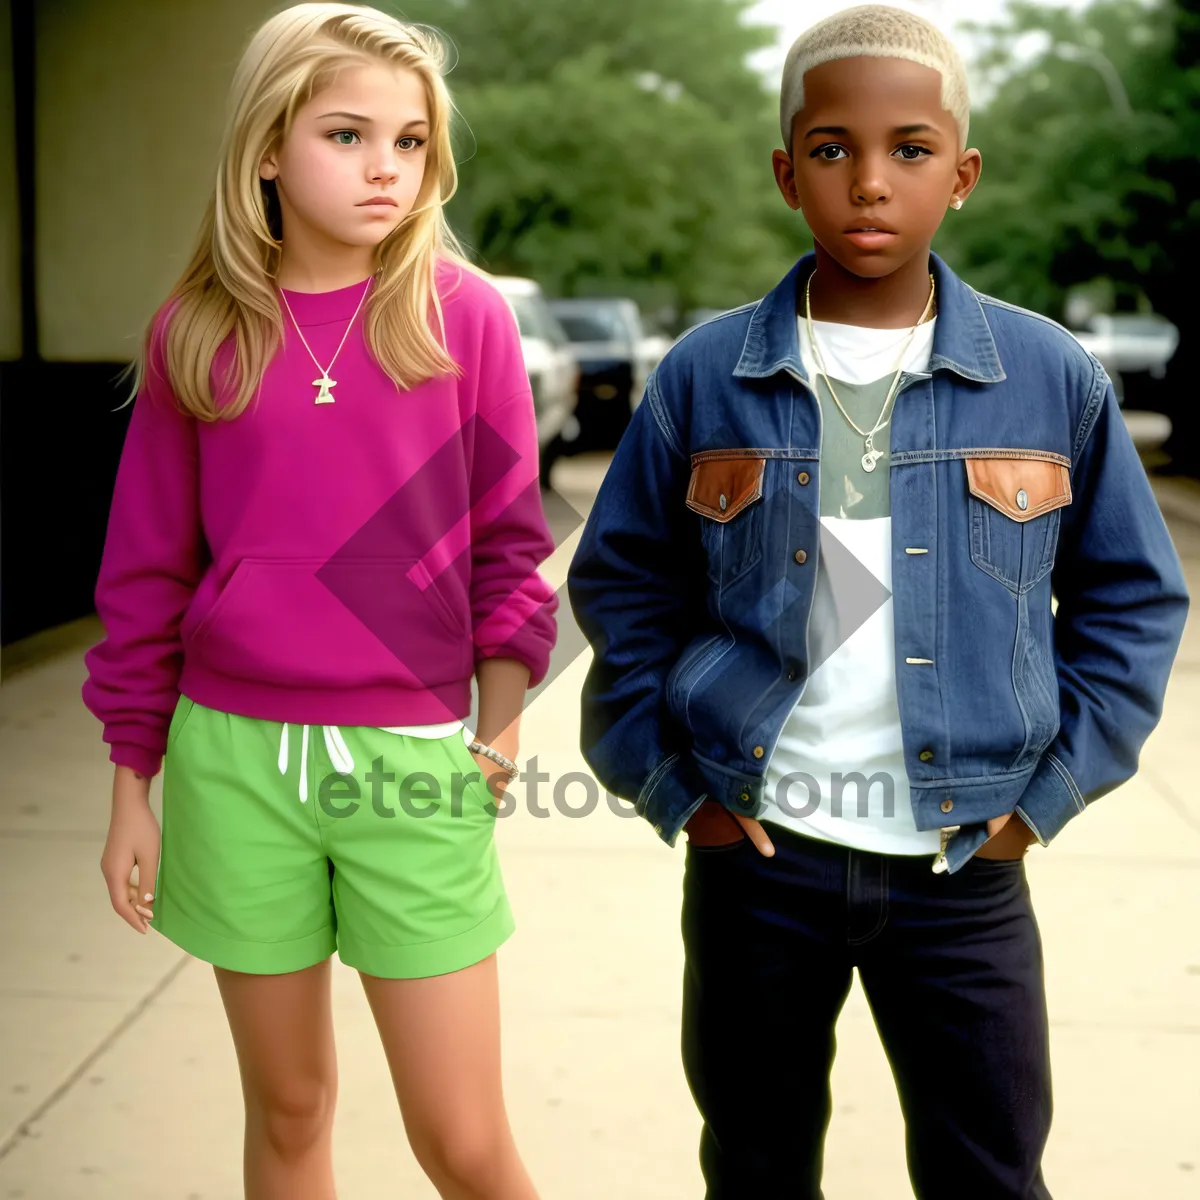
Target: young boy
817, 580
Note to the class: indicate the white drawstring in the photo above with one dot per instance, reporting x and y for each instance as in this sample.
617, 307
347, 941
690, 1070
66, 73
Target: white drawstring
335, 744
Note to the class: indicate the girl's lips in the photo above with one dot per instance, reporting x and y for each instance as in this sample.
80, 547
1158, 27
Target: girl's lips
869, 239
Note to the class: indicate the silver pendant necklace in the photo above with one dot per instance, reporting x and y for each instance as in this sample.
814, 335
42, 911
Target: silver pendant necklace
324, 395
871, 457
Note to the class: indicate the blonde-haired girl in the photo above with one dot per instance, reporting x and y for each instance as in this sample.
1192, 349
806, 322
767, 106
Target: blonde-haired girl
326, 521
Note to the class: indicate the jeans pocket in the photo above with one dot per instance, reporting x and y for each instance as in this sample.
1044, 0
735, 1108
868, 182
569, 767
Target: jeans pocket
718, 847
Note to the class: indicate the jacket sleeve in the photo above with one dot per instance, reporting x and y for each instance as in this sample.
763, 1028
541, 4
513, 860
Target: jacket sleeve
512, 606
637, 591
153, 559
1122, 602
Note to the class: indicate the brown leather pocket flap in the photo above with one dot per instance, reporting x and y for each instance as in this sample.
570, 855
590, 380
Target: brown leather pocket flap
724, 482
1020, 486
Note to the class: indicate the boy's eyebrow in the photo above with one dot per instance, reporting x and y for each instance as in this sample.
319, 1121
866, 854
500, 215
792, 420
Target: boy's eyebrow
362, 120
899, 130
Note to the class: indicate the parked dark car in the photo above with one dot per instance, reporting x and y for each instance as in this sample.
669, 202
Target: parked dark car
615, 355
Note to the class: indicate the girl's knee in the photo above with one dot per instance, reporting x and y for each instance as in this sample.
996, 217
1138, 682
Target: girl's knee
292, 1122
469, 1155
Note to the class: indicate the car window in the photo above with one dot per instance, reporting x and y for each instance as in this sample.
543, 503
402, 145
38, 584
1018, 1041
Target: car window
527, 316
535, 320
597, 325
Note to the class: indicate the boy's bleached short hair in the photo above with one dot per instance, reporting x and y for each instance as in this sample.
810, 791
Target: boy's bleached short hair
879, 31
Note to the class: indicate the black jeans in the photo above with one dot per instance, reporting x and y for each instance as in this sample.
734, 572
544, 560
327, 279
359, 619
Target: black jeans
952, 969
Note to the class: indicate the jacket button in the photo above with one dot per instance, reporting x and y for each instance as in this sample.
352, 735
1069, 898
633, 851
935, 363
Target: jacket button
758, 752
947, 804
801, 557
1022, 499
926, 756
802, 478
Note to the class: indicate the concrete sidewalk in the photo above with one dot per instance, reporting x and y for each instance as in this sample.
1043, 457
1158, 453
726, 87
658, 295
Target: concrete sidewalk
117, 1078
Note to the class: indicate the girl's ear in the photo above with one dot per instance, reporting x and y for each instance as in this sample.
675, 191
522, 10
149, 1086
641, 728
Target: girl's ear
268, 168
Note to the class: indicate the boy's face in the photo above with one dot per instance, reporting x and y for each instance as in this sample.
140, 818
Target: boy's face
875, 161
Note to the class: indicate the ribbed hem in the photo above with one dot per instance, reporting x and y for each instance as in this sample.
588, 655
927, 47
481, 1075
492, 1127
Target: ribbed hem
388, 704
425, 959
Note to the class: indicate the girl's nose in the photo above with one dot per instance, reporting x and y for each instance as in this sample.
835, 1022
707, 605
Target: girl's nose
385, 169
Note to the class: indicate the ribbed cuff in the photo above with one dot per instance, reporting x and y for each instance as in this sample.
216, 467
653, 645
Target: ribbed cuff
137, 758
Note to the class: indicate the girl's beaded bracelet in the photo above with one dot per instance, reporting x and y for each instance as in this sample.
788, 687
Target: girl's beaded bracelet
499, 759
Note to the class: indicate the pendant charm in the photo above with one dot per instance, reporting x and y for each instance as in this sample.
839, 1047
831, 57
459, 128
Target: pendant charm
324, 383
869, 459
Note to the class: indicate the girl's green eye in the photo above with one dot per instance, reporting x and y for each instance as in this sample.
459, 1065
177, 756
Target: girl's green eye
345, 137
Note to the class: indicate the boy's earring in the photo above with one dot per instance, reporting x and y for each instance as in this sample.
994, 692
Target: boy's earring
956, 202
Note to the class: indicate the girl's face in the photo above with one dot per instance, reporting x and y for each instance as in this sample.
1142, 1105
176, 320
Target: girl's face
350, 168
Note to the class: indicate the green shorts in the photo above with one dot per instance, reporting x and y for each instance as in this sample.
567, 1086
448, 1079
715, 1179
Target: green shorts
281, 844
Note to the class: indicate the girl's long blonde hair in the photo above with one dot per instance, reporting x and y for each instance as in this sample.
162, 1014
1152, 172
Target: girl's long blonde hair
228, 287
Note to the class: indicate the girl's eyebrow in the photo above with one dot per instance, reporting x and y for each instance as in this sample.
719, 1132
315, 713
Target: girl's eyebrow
349, 116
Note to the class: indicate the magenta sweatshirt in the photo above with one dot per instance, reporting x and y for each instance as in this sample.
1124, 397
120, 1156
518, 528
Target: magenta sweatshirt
333, 564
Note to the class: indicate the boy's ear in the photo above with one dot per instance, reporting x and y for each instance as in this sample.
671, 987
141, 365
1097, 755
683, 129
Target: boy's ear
785, 177
970, 165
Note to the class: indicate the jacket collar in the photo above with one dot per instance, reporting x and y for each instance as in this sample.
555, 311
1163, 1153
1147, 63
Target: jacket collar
962, 342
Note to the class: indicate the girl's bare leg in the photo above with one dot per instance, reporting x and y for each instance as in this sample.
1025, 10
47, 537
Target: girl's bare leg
282, 1028
442, 1041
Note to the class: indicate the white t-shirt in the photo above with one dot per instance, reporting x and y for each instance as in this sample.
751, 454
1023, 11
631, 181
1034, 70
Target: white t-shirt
843, 736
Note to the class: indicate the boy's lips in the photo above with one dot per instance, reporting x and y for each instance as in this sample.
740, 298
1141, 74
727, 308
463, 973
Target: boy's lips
870, 239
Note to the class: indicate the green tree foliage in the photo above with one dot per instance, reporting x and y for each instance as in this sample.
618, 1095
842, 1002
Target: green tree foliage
622, 147
1076, 190
1073, 188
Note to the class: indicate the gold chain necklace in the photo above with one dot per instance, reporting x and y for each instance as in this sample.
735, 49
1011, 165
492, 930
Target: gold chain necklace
872, 456
324, 396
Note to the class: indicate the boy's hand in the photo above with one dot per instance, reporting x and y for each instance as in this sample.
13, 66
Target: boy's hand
712, 824
1008, 837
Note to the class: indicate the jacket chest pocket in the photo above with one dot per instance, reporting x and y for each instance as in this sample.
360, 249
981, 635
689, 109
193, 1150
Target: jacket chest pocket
726, 490
1016, 501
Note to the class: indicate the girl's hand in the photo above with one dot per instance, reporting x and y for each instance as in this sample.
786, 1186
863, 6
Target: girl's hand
134, 838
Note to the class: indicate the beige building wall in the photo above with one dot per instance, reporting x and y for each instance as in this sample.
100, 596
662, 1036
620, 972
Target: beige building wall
10, 232
130, 105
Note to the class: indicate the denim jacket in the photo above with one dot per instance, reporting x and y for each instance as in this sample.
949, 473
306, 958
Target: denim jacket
1013, 482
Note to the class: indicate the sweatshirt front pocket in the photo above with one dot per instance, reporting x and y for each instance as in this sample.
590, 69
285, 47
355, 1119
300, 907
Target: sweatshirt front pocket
310, 622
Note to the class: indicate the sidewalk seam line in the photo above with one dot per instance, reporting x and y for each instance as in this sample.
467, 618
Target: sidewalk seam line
23, 1126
